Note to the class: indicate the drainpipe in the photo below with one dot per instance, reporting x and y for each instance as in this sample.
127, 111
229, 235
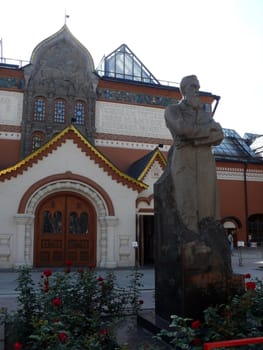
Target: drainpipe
246, 197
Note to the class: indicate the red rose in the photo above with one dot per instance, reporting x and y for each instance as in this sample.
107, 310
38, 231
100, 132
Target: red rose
47, 272
69, 263
196, 324
18, 346
56, 302
141, 301
100, 279
104, 331
92, 266
247, 275
250, 285
63, 337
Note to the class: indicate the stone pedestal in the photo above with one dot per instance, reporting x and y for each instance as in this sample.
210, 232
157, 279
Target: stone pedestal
192, 269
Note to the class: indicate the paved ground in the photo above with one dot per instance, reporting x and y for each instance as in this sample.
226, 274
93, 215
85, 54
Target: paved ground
244, 260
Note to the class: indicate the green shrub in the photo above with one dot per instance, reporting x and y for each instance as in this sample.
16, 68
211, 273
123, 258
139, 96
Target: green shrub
70, 310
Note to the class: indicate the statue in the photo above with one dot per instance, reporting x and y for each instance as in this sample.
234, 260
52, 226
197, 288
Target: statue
192, 258
192, 163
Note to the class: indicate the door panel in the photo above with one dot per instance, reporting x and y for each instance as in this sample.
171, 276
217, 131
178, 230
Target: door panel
65, 230
80, 231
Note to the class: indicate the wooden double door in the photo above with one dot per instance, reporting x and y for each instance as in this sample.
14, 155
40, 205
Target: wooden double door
65, 230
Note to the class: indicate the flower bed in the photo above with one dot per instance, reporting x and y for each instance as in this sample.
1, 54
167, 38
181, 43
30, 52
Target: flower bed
69, 310
241, 318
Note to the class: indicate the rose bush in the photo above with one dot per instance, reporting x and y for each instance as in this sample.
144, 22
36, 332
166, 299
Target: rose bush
242, 317
70, 310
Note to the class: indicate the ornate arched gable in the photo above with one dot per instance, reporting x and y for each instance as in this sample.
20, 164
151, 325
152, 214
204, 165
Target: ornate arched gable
61, 62
71, 133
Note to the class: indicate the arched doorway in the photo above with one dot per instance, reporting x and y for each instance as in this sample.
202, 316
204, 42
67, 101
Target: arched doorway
255, 228
65, 229
231, 226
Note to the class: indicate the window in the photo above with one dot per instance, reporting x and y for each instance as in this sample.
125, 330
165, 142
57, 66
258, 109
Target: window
37, 141
78, 223
59, 112
79, 113
52, 223
39, 109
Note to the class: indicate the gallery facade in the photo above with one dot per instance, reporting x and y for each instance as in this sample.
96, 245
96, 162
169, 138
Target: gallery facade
80, 151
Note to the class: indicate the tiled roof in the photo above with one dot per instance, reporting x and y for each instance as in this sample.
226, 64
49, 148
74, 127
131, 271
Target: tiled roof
139, 168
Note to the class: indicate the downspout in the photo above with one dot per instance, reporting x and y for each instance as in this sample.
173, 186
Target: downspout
246, 198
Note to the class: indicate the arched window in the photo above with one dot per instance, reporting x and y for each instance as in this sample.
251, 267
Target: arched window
37, 140
39, 109
79, 113
59, 111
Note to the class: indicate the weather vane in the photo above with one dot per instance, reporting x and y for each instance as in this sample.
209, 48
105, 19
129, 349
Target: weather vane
66, 16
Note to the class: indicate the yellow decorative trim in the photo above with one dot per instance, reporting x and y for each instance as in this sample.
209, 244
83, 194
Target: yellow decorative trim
105, 160
86, 142
146, 169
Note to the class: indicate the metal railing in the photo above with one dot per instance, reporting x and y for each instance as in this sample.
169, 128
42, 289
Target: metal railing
13, 62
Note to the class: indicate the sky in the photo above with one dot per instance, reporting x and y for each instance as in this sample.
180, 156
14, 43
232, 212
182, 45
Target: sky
220, 41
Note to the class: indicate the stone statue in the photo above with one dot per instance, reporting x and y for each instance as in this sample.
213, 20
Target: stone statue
192, 258
192, 163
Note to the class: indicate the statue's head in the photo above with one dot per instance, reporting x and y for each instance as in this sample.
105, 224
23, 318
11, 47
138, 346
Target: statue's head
189, 88
187, 81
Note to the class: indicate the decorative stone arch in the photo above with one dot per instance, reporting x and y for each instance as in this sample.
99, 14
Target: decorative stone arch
98, 197
59, 178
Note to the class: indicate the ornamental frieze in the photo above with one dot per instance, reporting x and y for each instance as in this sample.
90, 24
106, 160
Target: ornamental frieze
238, 174
135, 98
8, 83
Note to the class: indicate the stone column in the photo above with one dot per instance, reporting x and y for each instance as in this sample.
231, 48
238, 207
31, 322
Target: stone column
103, 241
22, 220
111, 223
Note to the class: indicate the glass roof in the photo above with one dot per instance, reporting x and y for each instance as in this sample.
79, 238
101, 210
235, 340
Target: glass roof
123, 64
257, 146
233, 147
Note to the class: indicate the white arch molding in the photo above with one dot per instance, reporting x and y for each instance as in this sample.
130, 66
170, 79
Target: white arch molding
105, 223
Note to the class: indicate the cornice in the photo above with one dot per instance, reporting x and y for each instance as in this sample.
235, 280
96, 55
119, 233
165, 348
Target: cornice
131, 142
239, 174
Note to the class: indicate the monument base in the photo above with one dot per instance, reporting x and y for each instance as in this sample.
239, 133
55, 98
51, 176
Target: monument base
150, 321
195, 273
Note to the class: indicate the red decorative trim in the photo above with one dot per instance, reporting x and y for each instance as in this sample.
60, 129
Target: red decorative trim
144, 200
10, 128
66, 176
137, 139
